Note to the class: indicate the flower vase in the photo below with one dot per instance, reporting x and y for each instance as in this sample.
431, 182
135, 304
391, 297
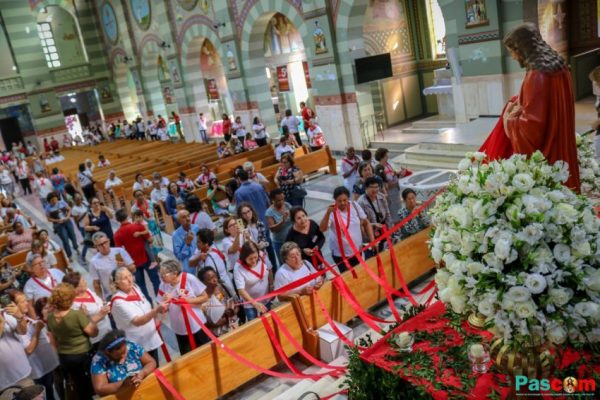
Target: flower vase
535, 362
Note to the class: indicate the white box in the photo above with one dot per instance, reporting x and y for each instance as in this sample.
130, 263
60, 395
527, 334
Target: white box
330, 345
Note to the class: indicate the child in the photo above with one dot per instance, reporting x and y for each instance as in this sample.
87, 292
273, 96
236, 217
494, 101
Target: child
138, 218
249, 142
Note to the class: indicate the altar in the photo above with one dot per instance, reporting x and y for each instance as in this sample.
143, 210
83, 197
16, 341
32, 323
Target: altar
438, 366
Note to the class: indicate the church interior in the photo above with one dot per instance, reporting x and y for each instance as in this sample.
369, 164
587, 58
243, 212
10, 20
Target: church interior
158, 86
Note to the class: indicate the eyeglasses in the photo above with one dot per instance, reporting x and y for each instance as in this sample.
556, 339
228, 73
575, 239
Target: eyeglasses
232, 224
103, 243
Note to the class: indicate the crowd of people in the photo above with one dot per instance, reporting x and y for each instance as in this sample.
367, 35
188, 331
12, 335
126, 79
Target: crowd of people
73, 336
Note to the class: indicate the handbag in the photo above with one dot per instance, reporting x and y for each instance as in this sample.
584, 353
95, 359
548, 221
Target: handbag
298, 192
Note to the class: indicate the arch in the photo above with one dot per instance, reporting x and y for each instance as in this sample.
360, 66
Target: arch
152, 88
252, 52
114, 55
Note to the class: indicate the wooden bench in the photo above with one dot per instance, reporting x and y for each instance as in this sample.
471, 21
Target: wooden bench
220, 373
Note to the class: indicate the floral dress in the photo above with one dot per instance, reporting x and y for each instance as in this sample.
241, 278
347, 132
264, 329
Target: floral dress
116, 371
415, 225
148, 210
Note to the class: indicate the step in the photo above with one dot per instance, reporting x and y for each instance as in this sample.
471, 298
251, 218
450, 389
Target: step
420, 165
323, 385
415, 153
270, 395
433, 124
391, 146
295, 391
427, 131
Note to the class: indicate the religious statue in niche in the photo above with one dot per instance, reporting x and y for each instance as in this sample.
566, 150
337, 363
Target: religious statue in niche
319, 38
174, 69
230, 59
476, 13
163, 71
44, 104
105, 94
385, 9
207, 56
281, 36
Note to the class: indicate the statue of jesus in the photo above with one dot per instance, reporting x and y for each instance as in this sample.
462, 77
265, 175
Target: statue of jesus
542, 116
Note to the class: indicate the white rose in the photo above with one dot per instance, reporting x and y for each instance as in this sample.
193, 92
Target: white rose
458, 303
531, 234
441, 277
591, 279
525, 310
503, 247
523, 182
479, 156
560, 296
565, 214
556, 333
536, 283
556, 196
464, 164
457, 267
518, 294
474, 268
561, 171
562, 253
587, 309
460, 215
486, 308
507, 304
582, 249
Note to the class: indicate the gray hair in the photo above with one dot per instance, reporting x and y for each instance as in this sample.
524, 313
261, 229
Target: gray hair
248, 166
171, 266
32, 258
116, 273
98, 235
286, 248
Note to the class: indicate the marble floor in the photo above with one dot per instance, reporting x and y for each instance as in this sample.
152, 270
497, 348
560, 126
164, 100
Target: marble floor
476, 131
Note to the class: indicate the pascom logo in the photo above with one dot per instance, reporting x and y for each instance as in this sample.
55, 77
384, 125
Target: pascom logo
570, 386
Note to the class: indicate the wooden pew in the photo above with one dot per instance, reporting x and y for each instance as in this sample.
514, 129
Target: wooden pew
219, 373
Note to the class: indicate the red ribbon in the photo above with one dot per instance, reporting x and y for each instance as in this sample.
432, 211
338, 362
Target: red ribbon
163, 346
162, 379
338, 235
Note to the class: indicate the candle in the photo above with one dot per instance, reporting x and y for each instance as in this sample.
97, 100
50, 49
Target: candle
477, 350
403, 339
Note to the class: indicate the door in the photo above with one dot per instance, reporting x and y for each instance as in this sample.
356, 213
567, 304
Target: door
11, 132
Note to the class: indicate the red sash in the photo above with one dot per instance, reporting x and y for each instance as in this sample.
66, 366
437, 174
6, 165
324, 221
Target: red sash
350, 163
132, 297
252, 271
89, 299
186, 319
43, 285
195, 217
218, 252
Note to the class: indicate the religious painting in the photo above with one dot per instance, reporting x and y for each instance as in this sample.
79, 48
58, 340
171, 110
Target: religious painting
230, 59
187, 4
209, 58
552, 21
319, 38
386, 28
109, 22
476, 13
212, 90
281, 36
105, 93
283, 78
168, 95
174, 71
140, 9
44, 104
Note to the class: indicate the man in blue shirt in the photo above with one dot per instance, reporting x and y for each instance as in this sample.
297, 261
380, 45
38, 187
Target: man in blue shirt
184, 240
252, 193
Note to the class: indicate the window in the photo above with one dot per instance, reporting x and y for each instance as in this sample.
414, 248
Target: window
437, 31
48, 44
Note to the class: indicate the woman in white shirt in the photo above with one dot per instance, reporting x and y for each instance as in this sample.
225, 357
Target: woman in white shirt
174, 285
232, 242
208, 255
345, 213
42, 281
253, 279
92, 305
239, 129
293, 269
141, 183
41, 354
14, 368
134, 314
260, 132
113, 180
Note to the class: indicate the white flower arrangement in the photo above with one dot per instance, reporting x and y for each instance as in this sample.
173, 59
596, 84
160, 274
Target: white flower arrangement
520, 248
589, 169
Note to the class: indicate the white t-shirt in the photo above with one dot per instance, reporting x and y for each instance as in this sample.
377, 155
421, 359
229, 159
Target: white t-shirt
217, 260
292, 123
141, 186
44, 358
106, 163
356, 215
158, 195
13, 363
311, 132
101, 267
259, 131
202, 220
93, 304
202, 123
353, 177
286, 275
281, 150
256, 286
233, 258
43, 187
78, 211
5, 177
36, 288
124, 309
188, 286
112, 182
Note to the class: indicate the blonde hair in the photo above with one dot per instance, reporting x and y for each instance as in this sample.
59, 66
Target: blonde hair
62, 296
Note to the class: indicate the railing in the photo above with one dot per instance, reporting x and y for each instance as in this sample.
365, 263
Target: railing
372, 125
10, 85
60, 75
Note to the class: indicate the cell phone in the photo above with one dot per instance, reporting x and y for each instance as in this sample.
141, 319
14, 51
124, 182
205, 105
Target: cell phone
5, 300
240, 224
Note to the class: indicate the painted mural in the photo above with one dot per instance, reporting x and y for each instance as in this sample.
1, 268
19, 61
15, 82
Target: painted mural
552, 20
281, 36
141, 12
386, 28
476, 13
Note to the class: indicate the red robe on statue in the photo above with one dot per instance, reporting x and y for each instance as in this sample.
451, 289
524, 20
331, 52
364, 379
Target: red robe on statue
545, 122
